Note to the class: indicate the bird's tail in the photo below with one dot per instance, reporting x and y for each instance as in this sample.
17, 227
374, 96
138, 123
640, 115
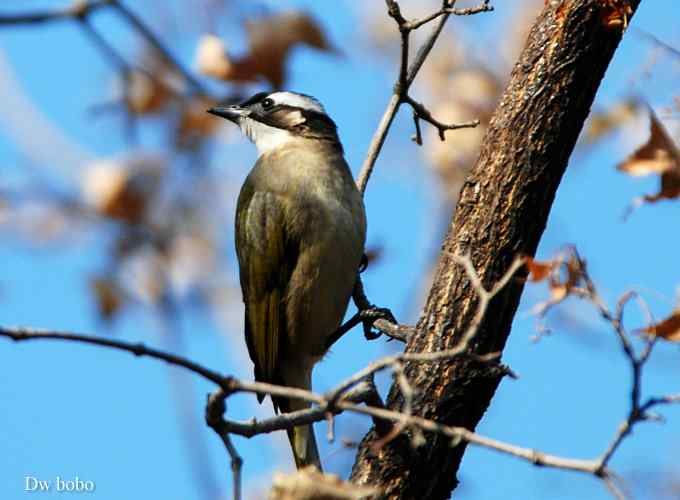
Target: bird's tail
303, 444
302, 441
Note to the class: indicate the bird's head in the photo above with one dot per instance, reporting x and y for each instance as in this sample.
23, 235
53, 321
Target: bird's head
272, 120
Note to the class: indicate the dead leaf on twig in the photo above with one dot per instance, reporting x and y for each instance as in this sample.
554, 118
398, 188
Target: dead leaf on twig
538, 271
668, 329
564, 274
145, 94
270, 40
122, 190
659, 156
195, 124
108, 296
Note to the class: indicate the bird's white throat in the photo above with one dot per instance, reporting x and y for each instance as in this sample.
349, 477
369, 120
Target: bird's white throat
264, 137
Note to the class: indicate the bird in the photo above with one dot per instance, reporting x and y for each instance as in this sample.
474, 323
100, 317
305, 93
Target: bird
300, 235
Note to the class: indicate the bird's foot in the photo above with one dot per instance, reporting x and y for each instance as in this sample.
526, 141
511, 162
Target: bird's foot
370, 315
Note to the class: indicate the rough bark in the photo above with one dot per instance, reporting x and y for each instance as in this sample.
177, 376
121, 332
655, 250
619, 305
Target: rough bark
503, 209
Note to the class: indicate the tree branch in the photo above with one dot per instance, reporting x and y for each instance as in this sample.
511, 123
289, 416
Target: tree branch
503, 209
483, 7
81, 11
22, 334
421, 113
359, 388
77, 10
158, 46
406, 76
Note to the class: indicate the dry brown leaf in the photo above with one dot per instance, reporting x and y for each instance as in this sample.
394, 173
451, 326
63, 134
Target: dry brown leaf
108, 295
122, 191
564, 274
668, 329
194, 123
211, 57
538, 271
270, 41
145, 95
658, 156
575, 269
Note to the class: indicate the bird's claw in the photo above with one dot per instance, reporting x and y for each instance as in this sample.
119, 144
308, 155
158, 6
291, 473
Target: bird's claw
369, 317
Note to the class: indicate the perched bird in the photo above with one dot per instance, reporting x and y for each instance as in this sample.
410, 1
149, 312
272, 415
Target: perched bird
300, 233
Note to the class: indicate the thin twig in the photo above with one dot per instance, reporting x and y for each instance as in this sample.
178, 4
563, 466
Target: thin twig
109, 53
77, 10
377, 142
81, 11
421, 112
638, 411
236, 465
483, 7
339, 399
399, 331
214, 410
20, 334
406, 76
362, 393
155, 42
371, 316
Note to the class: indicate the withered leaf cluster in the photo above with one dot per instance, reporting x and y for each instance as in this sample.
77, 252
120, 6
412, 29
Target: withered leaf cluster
164, 214
564, 275
270, 41
658, 156
667, 329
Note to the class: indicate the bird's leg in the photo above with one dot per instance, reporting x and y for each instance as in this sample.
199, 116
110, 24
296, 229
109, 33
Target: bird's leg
367, 314
343, 329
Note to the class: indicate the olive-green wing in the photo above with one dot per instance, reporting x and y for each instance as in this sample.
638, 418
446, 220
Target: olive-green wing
267, 257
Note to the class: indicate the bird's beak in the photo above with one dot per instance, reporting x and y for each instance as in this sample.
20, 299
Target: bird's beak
231, 113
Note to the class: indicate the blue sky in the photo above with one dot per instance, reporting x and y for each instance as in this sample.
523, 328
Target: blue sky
69, 410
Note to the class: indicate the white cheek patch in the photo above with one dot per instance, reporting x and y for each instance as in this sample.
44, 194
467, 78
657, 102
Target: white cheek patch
294, 118
297, 101
266, 138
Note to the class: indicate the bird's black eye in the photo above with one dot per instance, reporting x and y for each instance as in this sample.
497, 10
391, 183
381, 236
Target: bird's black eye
267, 103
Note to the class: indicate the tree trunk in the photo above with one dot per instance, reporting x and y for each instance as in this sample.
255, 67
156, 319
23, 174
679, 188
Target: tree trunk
502, 212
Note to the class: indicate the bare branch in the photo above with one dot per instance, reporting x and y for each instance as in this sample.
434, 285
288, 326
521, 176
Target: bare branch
422, 113
359, 388
395, 331
483, 7
20, 334
214, 410
236, 464
158, 46
638, 411
82, 9
384, 321
406, 76
613, 489
377, 142
361, 393
77, 10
